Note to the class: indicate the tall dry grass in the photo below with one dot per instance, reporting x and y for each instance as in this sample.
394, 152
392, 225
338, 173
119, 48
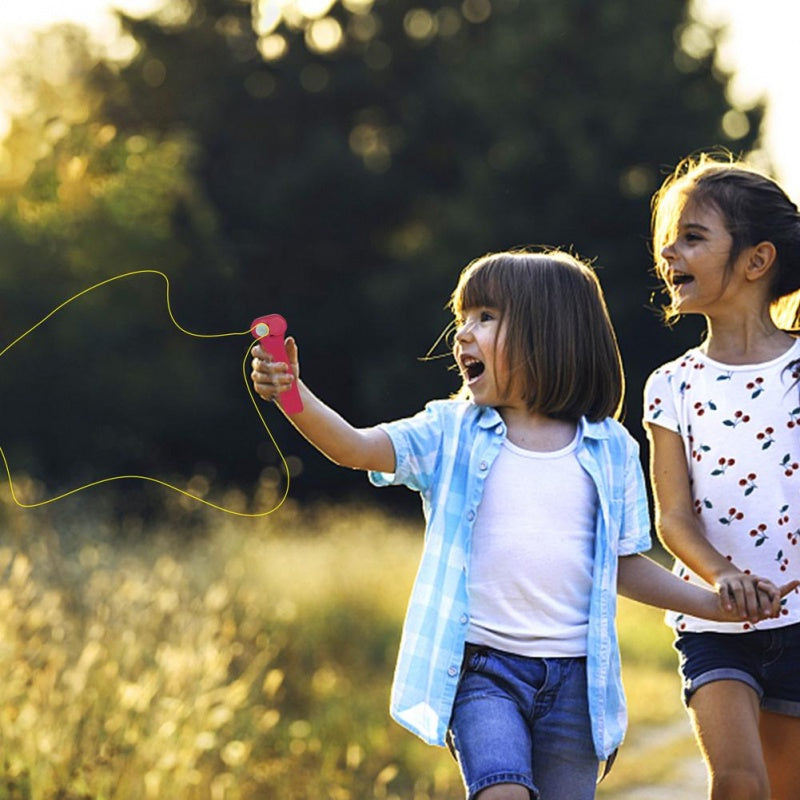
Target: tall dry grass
251, 659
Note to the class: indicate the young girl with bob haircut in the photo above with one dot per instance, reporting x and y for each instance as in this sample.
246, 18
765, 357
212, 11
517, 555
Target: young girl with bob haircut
724, 427
535, 509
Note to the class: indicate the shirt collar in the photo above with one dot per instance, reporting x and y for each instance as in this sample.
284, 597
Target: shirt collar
489, 417
594, 430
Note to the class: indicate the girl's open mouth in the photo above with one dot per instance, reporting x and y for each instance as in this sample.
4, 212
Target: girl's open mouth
472, 368
680, 278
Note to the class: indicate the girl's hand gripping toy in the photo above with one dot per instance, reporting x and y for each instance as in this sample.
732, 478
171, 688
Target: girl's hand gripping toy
270, 331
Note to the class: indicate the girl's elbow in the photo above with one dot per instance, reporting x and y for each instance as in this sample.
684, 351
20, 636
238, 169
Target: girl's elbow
671, 526
371, 451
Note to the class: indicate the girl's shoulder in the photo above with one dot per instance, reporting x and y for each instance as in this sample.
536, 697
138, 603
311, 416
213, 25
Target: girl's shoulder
691, 359
695, 360
608, 428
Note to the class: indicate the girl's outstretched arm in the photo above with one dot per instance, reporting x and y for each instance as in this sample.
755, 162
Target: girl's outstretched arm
680, 531
642, 579
329, 432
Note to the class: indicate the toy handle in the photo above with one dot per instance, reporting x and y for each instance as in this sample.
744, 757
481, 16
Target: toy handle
270, 331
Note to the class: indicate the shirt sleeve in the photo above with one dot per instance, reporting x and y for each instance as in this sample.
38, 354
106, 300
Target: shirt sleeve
659, 405
635, 536
417, 443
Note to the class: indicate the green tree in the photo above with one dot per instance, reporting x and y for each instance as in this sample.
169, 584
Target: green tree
359, 159
103, 386
341, 169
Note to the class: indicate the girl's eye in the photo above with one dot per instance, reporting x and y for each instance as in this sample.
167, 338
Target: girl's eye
486, 316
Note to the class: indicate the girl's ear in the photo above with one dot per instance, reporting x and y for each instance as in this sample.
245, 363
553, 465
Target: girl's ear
762, 257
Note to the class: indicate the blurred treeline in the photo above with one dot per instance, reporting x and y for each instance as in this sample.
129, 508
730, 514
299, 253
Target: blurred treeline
339, 163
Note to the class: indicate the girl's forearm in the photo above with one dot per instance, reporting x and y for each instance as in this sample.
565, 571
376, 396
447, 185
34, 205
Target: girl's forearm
642, 579
329, 432
338, 440
685, 540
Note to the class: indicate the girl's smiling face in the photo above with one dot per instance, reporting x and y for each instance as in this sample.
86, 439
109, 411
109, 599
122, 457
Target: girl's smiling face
480, 352
695, 261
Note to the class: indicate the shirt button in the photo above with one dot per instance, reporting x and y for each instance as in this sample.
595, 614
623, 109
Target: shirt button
470, 515
464, 619
452, 672
483, 466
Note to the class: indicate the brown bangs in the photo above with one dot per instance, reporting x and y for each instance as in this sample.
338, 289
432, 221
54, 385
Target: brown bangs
481, 284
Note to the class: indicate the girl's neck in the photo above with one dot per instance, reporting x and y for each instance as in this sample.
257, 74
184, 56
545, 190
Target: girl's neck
533, 431
746, 340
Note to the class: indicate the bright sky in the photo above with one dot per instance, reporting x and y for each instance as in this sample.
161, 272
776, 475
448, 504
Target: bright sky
17, 17
762, 47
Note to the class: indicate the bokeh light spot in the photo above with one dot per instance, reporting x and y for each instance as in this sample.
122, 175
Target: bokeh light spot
735, 124
420, 24
273, 47
476, 11
154, 72
324, 35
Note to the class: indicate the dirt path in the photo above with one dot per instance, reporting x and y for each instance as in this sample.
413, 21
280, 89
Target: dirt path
687, 774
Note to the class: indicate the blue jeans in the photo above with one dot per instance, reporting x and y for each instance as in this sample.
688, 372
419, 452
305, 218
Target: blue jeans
525, 721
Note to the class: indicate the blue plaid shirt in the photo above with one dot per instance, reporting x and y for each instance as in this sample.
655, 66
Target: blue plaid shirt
445, 453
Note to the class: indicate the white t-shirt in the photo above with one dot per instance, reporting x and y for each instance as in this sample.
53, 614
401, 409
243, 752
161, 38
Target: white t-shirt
532, 554
740, 426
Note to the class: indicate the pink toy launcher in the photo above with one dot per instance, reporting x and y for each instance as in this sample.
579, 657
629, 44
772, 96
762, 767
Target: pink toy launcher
270, 331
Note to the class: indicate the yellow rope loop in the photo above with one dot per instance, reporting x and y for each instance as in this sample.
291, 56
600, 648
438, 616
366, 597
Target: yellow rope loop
149, 478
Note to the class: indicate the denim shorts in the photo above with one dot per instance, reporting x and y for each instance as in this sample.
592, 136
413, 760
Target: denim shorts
768, 661
525, 721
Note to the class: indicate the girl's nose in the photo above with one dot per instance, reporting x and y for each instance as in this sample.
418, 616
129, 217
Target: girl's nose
668, 251
462, 331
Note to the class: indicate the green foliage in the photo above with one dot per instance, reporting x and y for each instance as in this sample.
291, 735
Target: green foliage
341, 171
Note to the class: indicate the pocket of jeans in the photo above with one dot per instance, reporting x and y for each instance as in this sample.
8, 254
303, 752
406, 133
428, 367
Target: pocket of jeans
474, 658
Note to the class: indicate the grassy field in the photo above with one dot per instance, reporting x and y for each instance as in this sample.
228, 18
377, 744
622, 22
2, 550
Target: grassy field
243, 659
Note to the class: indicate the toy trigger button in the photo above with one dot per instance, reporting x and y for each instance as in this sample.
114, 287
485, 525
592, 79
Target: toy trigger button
262, 329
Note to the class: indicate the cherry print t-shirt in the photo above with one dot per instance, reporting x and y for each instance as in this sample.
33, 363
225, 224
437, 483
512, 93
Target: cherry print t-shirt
740, 426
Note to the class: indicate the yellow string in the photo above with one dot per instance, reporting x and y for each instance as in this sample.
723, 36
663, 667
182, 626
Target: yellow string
177, 489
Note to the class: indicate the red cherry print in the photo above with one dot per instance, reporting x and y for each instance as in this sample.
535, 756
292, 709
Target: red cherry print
723, 464
738, 418
733, 515
759, 534
755, 387
789, 466
765, 437
749, 483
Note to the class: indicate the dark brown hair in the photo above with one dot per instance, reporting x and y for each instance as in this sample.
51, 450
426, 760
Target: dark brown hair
754, 208
559, 337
